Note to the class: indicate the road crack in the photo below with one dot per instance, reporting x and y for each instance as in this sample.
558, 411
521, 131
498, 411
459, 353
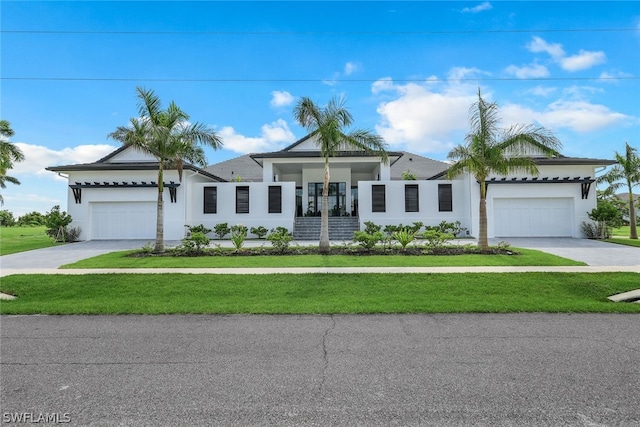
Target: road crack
325, 353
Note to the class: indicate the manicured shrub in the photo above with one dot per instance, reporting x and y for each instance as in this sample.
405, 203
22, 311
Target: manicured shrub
436, 241
221, 230
259, 231
199, 229
367, 240
194, 244
453, 228
370, 227
280, 238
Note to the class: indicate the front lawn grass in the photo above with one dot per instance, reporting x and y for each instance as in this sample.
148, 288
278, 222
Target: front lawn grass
20, 239
317, 293
622, 231
625, 241
122, 259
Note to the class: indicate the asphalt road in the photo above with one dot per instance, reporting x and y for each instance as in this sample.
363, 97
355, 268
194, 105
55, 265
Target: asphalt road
439, 370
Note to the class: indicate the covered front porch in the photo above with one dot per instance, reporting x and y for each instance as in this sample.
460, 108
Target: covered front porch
306, 169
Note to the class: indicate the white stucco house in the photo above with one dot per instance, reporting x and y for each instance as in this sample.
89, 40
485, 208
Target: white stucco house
115, 197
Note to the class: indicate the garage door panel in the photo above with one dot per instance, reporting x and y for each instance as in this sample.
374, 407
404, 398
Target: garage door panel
535, 217
120, 220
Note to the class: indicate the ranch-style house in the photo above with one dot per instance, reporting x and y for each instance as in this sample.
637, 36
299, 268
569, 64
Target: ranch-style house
115, 197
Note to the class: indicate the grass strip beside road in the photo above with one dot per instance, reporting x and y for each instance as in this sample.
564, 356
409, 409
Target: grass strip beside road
527, 257
317, 293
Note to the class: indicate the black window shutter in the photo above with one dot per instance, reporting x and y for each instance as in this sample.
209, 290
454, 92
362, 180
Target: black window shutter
445, 198
242, 199
210, 200
378, 199
275, 199
411, 202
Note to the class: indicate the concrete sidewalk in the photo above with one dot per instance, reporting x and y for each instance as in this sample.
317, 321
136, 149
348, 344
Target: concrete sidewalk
332, 270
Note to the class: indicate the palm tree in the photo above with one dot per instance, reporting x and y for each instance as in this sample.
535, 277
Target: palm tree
625, 173
489, 149
327, 126
170, 138
9, 154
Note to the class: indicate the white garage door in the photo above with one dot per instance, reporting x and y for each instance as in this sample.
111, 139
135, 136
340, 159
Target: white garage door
123, 220
545, 217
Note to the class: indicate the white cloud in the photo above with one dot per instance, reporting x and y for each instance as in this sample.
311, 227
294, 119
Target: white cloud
543, 91
30, 197
37, 157
539, 45
460, 73
381, 85
479, 8
350, 68
281, 98
613, 77
421, 119
583, 60
528, 71
577, 115
273, 137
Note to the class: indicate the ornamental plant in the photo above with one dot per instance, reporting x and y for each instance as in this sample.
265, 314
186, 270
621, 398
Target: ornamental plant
221, 230
238, 235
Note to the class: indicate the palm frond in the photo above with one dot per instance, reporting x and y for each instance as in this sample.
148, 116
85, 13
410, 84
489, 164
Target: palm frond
5, 129
526, 140
307, 114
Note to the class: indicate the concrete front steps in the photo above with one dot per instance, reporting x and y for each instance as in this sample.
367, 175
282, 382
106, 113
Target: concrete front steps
340, 227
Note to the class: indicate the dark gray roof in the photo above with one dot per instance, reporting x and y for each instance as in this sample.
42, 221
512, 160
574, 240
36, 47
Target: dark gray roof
313, 153
103, 165
421, 167
244, 167
249, 170
562, 160
559, 161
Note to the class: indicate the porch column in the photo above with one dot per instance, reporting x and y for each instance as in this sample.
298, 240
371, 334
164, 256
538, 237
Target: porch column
267, 170
385, 172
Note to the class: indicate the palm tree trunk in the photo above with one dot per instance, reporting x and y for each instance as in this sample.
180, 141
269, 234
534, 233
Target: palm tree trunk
633, 230
325, 246
159, 247
483, 242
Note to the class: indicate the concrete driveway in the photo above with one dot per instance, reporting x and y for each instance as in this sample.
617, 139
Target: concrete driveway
593, 253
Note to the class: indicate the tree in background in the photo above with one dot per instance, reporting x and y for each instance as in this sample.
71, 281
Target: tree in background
167, 135
625, 174
327, 127
489, 150
9, 154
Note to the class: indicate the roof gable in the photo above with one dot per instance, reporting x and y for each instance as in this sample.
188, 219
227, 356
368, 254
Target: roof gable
127, 158
126, 154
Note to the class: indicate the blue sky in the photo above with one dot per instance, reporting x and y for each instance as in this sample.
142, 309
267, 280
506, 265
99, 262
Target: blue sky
408, 70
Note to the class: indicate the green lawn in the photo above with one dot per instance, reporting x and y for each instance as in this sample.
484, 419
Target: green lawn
625, 241
317, 293
621, 231
621, 237
20, 239
121, 260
